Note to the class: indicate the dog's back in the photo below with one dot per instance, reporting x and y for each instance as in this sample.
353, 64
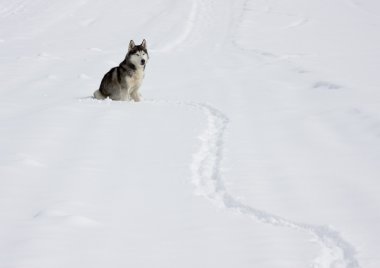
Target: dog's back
110, 86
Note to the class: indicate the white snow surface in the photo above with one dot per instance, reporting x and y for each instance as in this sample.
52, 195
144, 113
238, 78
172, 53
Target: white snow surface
257, 143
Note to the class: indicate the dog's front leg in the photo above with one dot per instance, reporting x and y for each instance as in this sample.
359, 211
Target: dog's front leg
136, 96
128, 94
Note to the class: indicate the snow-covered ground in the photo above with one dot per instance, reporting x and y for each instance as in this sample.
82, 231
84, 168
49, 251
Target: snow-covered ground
257, 143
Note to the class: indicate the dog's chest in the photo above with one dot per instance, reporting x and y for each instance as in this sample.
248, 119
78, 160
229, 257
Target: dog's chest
135, 80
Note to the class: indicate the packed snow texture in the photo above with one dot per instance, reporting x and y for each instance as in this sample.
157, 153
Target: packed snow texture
257, 143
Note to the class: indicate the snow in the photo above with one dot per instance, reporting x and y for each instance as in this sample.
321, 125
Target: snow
257, 143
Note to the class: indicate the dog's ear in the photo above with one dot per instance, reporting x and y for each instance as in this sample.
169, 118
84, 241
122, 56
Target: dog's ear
131, 45
143, 44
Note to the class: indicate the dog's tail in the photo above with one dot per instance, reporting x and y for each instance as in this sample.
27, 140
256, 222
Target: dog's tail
98, 95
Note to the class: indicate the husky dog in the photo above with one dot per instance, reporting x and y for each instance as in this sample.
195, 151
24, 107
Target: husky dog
123, 82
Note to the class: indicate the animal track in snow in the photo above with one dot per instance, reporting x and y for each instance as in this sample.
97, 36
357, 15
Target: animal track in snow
324, 85
297, 23
208, 181
198, 18
47, 56
95, 49
190, 20
87, 22
25, 160
84, 76
206, 169
57, 216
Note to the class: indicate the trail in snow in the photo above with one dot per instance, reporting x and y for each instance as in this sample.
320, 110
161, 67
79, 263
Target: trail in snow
199, 21
206, 169
172, 45
207, 177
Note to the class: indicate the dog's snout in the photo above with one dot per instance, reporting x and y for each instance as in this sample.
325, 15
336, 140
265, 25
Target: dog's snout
142, 62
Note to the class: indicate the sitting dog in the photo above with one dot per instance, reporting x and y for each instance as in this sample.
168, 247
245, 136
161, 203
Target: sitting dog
123, 82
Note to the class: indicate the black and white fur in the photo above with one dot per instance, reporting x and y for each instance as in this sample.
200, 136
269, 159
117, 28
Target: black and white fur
123, 82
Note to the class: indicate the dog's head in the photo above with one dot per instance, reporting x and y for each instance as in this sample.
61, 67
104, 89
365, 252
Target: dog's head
138, 55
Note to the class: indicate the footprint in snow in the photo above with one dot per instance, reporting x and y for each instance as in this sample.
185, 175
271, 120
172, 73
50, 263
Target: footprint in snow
297, 23
87, 22
61, 217
52, 77
84, 76
28, 160
324, 85
95, 49
47, 56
